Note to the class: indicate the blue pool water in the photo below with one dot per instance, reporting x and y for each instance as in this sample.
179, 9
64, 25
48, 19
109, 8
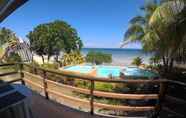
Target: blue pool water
81, 69
106, 71
137, 72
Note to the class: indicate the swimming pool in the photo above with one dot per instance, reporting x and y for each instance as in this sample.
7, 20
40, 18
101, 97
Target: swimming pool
106, 71
137, 72
78, 68
114, 71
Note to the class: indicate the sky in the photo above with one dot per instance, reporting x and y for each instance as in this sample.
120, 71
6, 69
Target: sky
99, 23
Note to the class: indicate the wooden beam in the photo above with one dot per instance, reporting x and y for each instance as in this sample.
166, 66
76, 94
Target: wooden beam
8, 73
100, 79
11, 6
107, 94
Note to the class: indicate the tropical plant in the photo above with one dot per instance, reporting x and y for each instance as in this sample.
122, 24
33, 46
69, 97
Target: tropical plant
72, 58
13, 58
50, 65
8, 40
169, 22
7, 36
137, 61
160, 30
51, 38
139, 29
98, 57
154, 60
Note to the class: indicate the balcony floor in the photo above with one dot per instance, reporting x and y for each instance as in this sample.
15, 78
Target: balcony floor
43, 108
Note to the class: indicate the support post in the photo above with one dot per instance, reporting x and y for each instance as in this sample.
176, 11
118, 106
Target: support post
92, 98
162, 90
45, 84
35, 70
21, 73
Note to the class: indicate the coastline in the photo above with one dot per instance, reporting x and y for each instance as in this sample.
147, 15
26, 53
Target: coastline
120, 57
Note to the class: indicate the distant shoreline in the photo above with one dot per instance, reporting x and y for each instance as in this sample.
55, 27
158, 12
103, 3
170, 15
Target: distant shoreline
120, 56
113, 48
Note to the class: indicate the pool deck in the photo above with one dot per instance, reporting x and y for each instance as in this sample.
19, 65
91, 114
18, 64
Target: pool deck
93, 72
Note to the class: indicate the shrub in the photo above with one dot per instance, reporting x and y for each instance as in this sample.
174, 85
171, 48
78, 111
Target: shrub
137, 61
98, 57
13, 58
72, 58
50, 66
29, 69
100, 86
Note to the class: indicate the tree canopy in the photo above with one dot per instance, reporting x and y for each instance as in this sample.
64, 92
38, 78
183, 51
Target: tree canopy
7, 36
98, 57
161, 29
8, 39
51, 38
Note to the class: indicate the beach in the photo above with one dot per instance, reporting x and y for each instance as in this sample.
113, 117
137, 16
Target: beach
120, 57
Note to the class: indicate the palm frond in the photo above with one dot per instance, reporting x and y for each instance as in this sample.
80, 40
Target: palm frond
138, 20
134, 32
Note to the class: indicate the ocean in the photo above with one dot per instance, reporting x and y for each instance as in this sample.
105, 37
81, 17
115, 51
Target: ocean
121, 56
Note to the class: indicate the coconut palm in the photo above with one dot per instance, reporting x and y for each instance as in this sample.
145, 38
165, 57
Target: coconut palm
139, 28
160, 29
169, 22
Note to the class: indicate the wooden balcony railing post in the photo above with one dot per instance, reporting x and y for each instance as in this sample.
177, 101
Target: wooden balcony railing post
45, 84
92, 98
21, 73
35, 70
162, 91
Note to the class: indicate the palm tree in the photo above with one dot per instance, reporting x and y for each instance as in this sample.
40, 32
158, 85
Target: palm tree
160, 30
139, 28
169, 22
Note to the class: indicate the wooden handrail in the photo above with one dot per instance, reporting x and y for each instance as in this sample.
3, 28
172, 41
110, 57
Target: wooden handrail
99, 105
9, 82
45, 86
32, 83
106, 106
8, 73
107, 94
100, 79
7, 64
177, 82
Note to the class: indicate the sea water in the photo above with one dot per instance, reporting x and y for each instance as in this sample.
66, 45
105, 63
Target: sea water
120, 56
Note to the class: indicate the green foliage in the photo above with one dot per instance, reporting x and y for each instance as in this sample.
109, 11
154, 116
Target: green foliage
161, 29
6, 36
137, 61
29, 69
154, 60
8, 39
51, 38
13, 58
50, 66
98, 57
72, 58
109, 87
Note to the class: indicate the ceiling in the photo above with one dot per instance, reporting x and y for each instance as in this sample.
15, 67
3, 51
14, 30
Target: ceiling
8, 6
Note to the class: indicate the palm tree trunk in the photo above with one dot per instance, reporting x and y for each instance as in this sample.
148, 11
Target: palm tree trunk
48, 58
43, 59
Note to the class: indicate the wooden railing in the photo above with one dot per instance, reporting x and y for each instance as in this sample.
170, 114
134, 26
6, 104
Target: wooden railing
44, 83
11, 65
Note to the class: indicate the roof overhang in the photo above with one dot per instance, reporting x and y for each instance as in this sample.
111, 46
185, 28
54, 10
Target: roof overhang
8, 6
